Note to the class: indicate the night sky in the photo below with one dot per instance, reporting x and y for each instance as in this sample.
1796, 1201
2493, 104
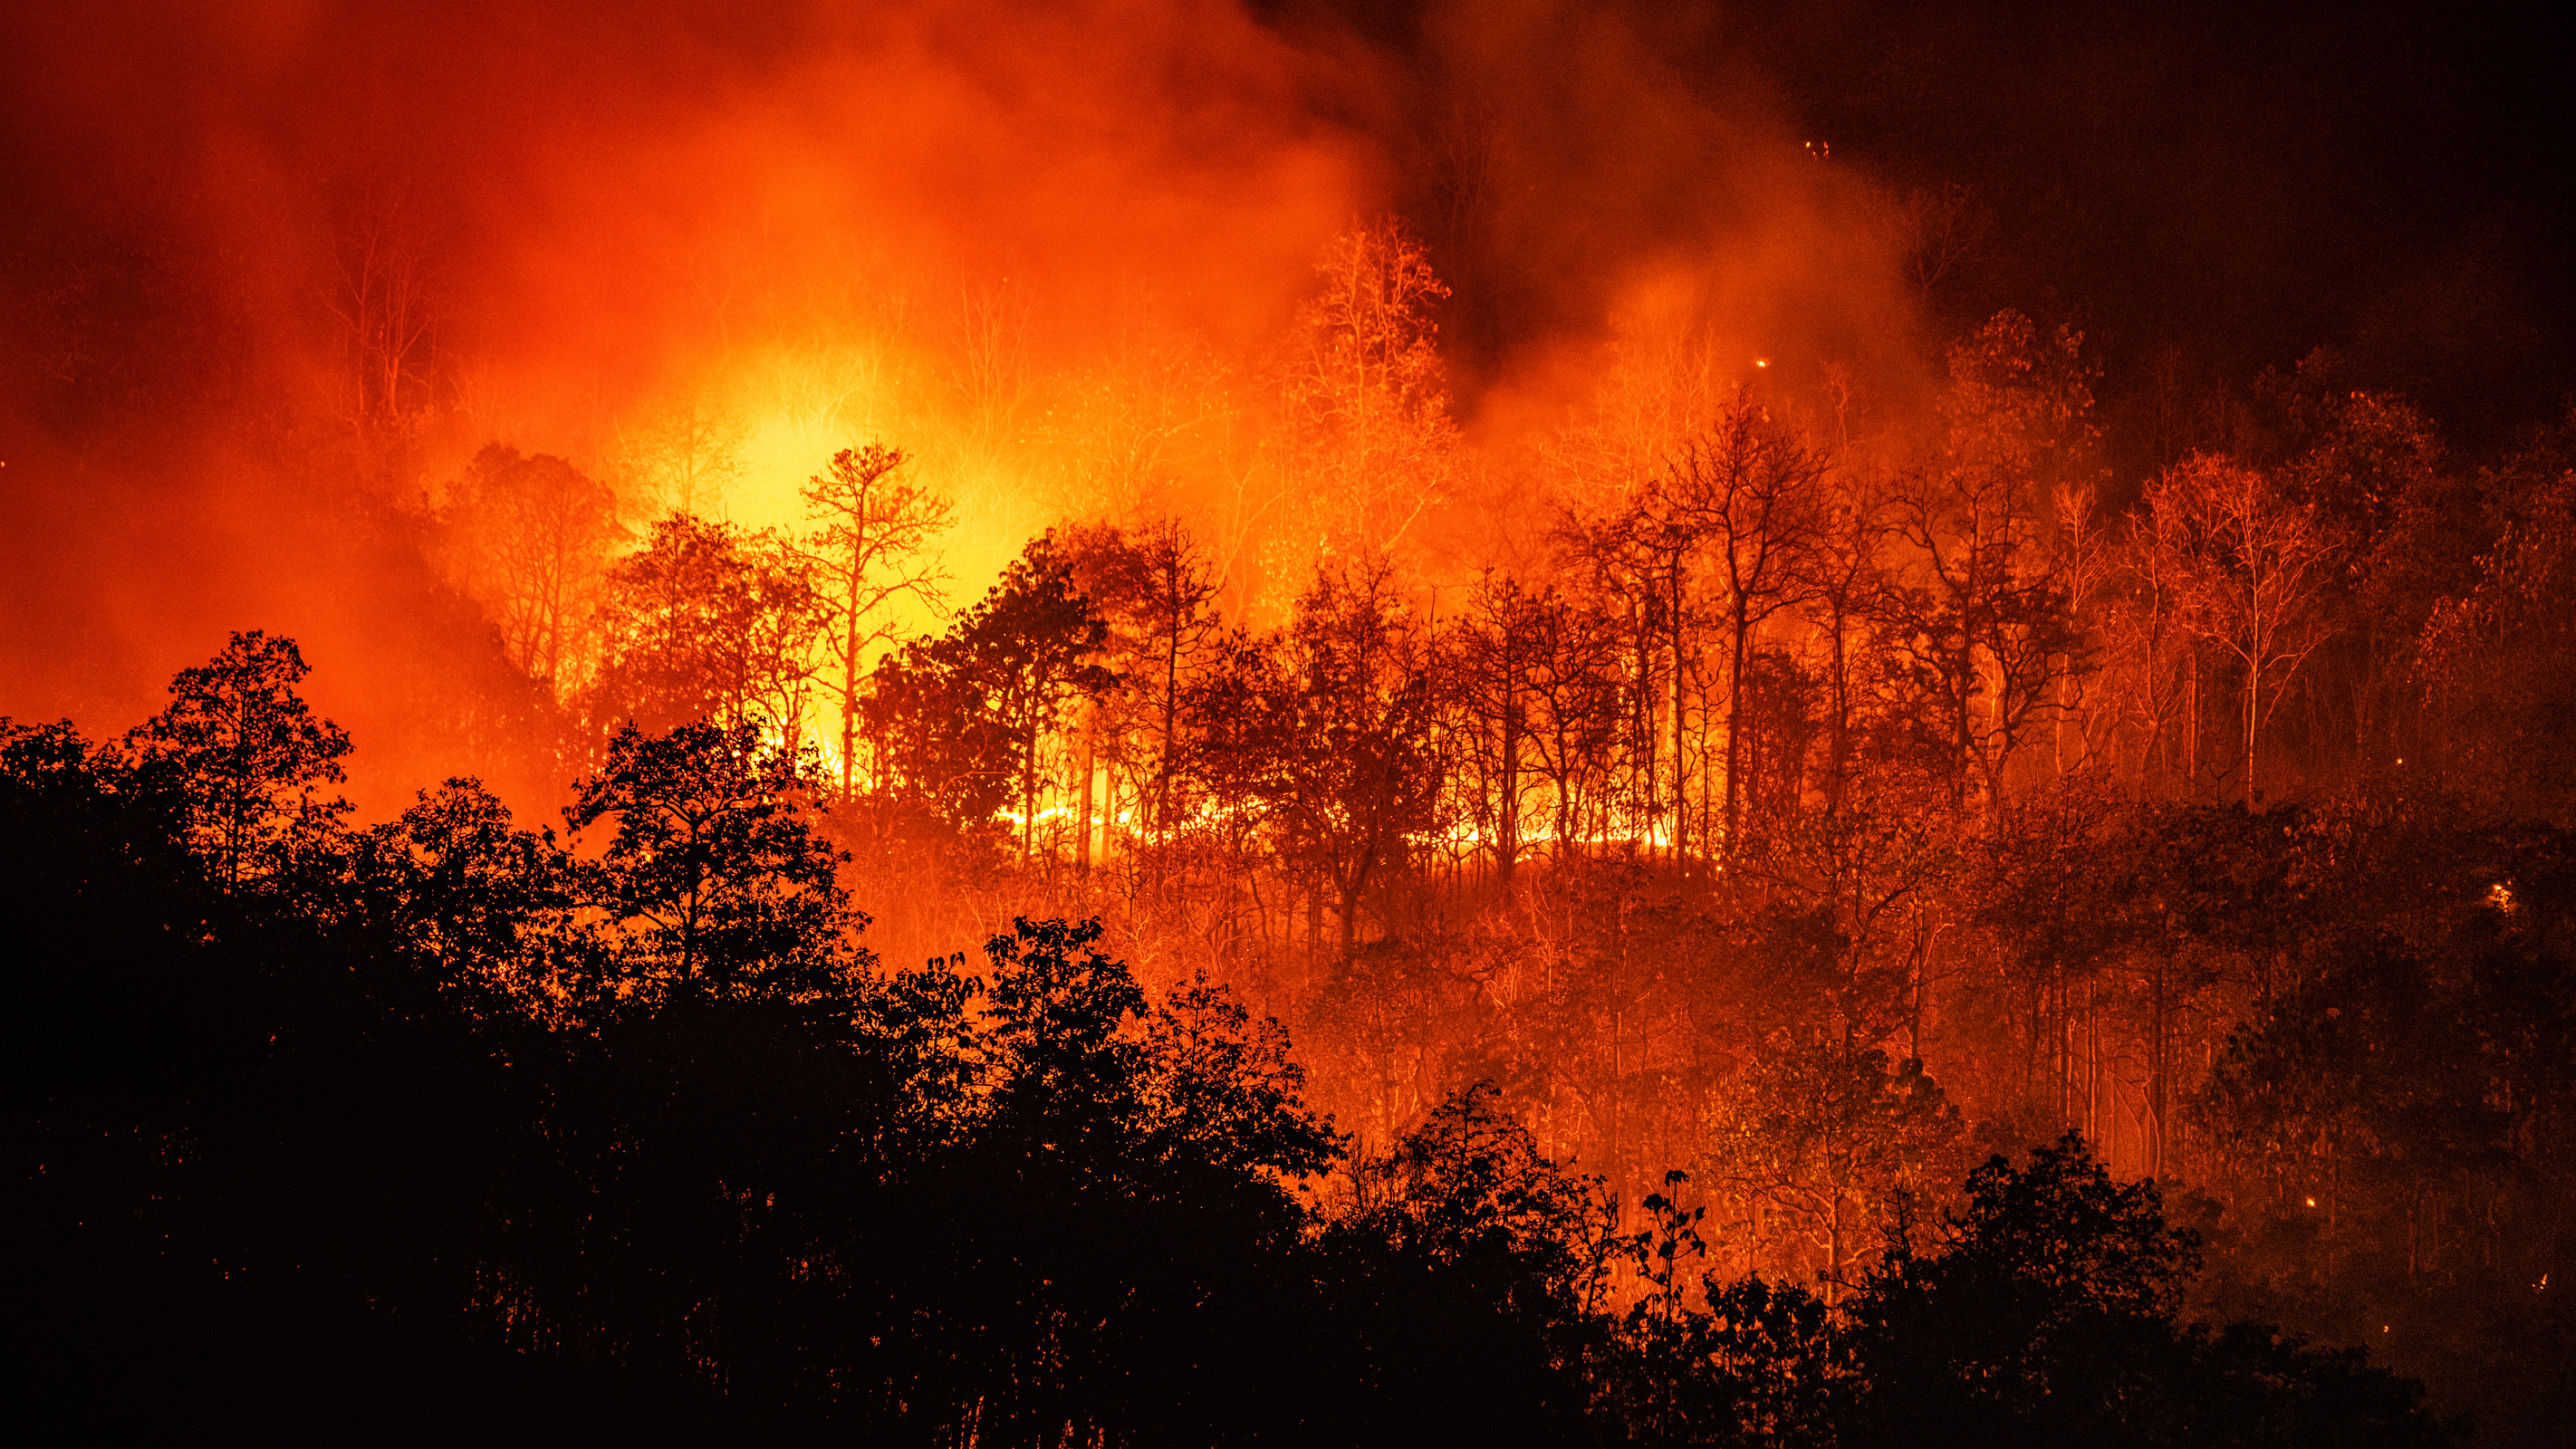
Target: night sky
2242, 182
2239, 184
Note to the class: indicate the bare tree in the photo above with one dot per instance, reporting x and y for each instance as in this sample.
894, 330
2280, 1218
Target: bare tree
1367, 407
1635, 542
2260, 568
1628, 564
386, 301
530, 537
1944, 233
1848, 584
1126, 434
868, 553
1989, 637
1489, 660
1980, 639
990, 372
1754, 496
685, 454
2147, 623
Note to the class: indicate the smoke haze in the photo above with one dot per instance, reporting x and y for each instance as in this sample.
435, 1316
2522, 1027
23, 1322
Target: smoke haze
974, 231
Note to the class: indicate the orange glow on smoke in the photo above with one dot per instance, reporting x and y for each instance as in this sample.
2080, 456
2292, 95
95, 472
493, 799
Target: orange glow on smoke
1057, 256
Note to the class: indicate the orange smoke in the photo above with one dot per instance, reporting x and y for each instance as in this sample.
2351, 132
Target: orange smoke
991, 234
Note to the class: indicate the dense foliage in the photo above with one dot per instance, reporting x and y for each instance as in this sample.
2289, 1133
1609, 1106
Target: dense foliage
451, 1126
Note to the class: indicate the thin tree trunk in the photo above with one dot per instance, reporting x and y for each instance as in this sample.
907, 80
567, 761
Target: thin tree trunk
1681, 773
2253, 696
1735, 733
1090, 763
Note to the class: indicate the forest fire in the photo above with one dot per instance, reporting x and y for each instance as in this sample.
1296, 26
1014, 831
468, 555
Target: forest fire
1564, 767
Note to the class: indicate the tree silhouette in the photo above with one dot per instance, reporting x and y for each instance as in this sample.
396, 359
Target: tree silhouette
1755, 498
530, 539
1157, 594
491, 909
934, 744
964, 720
867, 555
250, 758
1986, 637
1463, 1221
2048, 1312
706, 623
1488, 660
1979, 644
2049, 1316
714, 878
1347, 768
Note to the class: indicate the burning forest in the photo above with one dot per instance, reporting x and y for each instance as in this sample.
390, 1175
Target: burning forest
1173, 723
